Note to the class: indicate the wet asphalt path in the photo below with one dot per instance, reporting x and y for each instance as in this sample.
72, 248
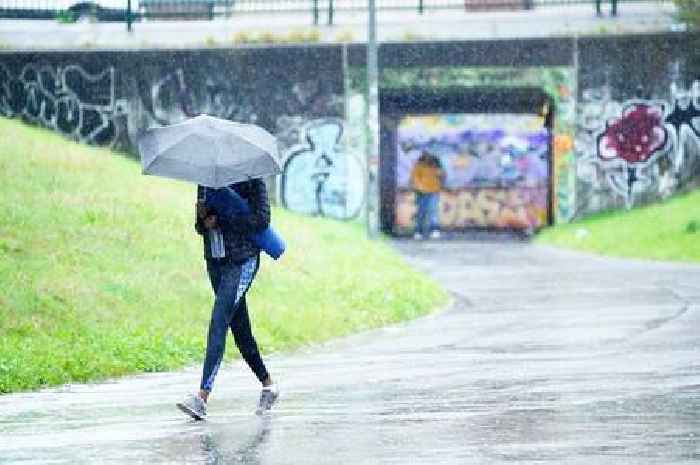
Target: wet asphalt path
545, 356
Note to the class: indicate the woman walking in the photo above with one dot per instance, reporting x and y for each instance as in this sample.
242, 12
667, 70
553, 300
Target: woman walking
232, 262
427, 179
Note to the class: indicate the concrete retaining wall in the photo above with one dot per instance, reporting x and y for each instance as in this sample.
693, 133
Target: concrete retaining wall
626, 126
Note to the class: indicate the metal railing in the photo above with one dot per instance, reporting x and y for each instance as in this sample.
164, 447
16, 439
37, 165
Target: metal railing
135, 10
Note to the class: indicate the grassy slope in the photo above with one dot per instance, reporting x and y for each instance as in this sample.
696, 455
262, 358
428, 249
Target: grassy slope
102, 274
664, 231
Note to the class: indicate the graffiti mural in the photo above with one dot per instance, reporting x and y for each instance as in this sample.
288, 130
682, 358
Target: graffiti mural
559, 82
164, 95
176, 96
113, 103
68, 99
629, 143
319, 177
635, 137
638, 148
514, 208
496, 167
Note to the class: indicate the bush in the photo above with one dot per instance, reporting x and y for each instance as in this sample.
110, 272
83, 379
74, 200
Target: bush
65, 17
689, 12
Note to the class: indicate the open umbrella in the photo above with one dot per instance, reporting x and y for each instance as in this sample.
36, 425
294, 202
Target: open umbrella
215, 152
210, 151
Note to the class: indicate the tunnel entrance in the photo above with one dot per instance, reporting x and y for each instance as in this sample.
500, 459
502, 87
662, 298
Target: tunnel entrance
493, 144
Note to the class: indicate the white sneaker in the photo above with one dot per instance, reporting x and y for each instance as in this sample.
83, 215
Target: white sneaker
268, 396
435, 234
194, 406
417, 236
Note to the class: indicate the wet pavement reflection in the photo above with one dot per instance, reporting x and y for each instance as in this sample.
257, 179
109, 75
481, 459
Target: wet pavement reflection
545, 356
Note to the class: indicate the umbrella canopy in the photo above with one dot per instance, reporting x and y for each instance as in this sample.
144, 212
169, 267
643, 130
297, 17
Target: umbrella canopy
210, 151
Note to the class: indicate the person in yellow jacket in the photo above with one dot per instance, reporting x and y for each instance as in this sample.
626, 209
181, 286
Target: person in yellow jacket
427, 178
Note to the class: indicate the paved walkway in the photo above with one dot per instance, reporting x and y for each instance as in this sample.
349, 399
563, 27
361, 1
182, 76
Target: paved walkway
546, 356
348, 26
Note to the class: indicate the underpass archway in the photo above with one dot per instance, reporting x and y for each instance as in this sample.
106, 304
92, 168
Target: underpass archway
494, 145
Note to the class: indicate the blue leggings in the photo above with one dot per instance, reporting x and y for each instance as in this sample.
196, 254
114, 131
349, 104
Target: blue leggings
230, 282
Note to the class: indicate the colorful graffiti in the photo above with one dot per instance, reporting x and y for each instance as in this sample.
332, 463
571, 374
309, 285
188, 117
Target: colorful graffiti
564, 176
629, 143
559, 82
67, 99
514, 208
636, 148
319, 177
635, 137
493, 163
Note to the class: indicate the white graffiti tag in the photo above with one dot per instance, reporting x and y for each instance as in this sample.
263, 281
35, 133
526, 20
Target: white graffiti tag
318, 177
174, 98
66, 99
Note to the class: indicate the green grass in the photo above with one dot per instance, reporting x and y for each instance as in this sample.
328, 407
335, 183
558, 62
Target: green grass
102, 274
663, 231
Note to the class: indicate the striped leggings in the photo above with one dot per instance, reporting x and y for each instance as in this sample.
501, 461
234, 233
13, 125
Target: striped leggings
231, 282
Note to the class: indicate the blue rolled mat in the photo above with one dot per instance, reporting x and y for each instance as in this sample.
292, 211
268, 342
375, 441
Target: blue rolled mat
227, 202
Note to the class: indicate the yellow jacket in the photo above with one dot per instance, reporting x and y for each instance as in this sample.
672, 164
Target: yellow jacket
426, 178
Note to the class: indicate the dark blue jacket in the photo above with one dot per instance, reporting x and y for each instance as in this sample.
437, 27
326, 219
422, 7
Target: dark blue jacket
237, 230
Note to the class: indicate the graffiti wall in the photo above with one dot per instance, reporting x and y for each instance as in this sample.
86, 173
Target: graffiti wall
82, 94
80, 104
495, 165
626, 127
637, 120
110, 99
637, 150
319, 176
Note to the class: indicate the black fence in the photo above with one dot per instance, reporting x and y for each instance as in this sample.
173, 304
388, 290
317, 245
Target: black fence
136, 10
